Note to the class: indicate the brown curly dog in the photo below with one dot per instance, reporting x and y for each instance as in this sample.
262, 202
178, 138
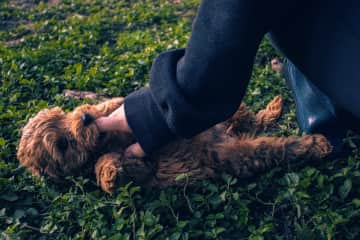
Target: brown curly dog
59, 144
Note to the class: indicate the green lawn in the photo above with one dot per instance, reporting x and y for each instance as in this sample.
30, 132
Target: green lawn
108, 46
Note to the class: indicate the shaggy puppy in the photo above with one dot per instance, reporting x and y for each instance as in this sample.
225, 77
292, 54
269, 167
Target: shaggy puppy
60, 144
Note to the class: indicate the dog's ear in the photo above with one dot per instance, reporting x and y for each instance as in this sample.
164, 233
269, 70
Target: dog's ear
55, 144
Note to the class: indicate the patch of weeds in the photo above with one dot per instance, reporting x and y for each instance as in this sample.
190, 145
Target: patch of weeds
108, 47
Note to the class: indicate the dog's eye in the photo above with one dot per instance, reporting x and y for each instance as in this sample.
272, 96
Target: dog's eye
87, 119
62, 144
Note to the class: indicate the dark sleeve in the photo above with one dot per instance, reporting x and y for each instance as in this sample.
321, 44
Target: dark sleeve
194, 88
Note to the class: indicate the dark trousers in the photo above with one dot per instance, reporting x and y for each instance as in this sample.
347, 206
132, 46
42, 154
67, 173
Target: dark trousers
324, 44
194, 88
337, 95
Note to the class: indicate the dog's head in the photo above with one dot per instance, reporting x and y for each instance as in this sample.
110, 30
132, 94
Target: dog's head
59, 144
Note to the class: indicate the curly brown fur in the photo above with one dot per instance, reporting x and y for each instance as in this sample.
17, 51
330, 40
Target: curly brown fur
270, 114
230, 146
106, 170
59, 144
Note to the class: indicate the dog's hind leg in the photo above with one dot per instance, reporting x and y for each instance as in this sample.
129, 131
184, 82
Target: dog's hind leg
248, 156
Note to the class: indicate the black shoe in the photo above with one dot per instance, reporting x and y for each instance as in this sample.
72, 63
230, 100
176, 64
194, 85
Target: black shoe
315, 112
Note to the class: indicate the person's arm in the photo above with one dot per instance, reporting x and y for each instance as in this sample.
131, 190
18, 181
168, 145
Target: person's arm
194, 88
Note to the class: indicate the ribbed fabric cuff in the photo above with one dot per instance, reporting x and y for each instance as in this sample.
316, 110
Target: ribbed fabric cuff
146, 121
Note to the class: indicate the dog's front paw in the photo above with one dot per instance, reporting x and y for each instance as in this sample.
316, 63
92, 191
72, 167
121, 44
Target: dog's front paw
107, 169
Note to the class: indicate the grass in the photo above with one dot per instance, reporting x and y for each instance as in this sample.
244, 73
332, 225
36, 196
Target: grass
108, 46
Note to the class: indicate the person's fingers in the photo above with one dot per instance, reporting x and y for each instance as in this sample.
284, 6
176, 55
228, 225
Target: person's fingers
134, 151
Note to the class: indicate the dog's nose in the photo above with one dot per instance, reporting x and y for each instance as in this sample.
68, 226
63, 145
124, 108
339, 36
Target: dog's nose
87, 119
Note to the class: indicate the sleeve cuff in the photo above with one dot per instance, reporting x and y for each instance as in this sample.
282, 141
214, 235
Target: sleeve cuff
146, 120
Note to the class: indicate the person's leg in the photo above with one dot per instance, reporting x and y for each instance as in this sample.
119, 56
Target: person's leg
321, 46
323, 43
315, 112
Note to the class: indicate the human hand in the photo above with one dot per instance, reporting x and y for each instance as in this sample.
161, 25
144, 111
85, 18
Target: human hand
117, 121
